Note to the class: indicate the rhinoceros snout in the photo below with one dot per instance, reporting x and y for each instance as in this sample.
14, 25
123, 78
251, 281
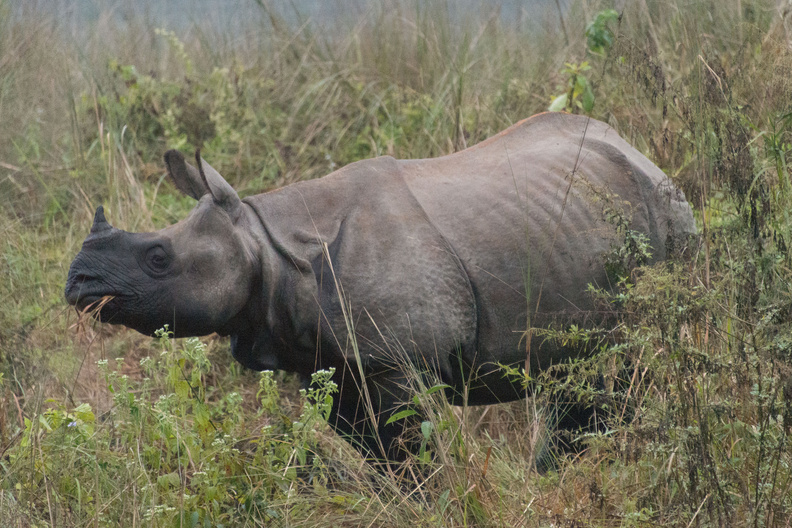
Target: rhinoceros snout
82, 288
72, 286
77, 288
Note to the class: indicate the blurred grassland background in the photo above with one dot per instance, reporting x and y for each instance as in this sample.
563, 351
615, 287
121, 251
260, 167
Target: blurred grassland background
100, 426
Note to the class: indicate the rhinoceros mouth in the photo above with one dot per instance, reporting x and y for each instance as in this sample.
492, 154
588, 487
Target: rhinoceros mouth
101, 305
91, 302
84, 298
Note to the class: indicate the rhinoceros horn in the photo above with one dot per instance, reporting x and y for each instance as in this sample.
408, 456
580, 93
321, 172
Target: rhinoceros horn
100, 223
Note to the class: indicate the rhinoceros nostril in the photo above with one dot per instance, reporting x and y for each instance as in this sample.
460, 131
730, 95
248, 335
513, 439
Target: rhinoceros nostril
79, 279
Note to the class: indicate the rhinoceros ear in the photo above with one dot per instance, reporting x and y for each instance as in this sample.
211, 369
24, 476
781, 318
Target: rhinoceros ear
197, 182
223, 194
186, 177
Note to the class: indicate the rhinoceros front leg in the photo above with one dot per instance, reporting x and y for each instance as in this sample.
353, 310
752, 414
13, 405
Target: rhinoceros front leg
360, 414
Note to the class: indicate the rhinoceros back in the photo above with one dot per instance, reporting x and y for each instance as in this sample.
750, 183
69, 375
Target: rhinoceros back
526, 213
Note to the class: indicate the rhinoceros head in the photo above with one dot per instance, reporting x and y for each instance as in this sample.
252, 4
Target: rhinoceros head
195, 276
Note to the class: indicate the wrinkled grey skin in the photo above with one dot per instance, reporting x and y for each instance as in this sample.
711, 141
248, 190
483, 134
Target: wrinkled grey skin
443, 263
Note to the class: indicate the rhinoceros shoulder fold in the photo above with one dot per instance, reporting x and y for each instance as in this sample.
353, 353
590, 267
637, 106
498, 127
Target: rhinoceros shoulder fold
303, 216
362, 228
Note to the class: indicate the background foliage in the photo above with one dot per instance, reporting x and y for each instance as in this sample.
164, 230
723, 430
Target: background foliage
102, 427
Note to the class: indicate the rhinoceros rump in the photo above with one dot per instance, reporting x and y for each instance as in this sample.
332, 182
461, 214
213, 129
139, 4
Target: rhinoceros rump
437, 264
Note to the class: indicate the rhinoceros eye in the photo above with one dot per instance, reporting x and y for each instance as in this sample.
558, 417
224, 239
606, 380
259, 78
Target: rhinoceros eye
157, 259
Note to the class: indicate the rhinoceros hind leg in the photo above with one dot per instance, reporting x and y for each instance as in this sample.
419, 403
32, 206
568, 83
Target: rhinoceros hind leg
569, 420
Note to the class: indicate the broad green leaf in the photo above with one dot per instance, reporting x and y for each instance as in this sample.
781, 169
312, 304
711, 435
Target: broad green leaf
558, 104
588, 99
401, 415
426, 429
438, 387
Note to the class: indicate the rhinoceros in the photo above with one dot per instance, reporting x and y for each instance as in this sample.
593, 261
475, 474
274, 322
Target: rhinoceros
386, 266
